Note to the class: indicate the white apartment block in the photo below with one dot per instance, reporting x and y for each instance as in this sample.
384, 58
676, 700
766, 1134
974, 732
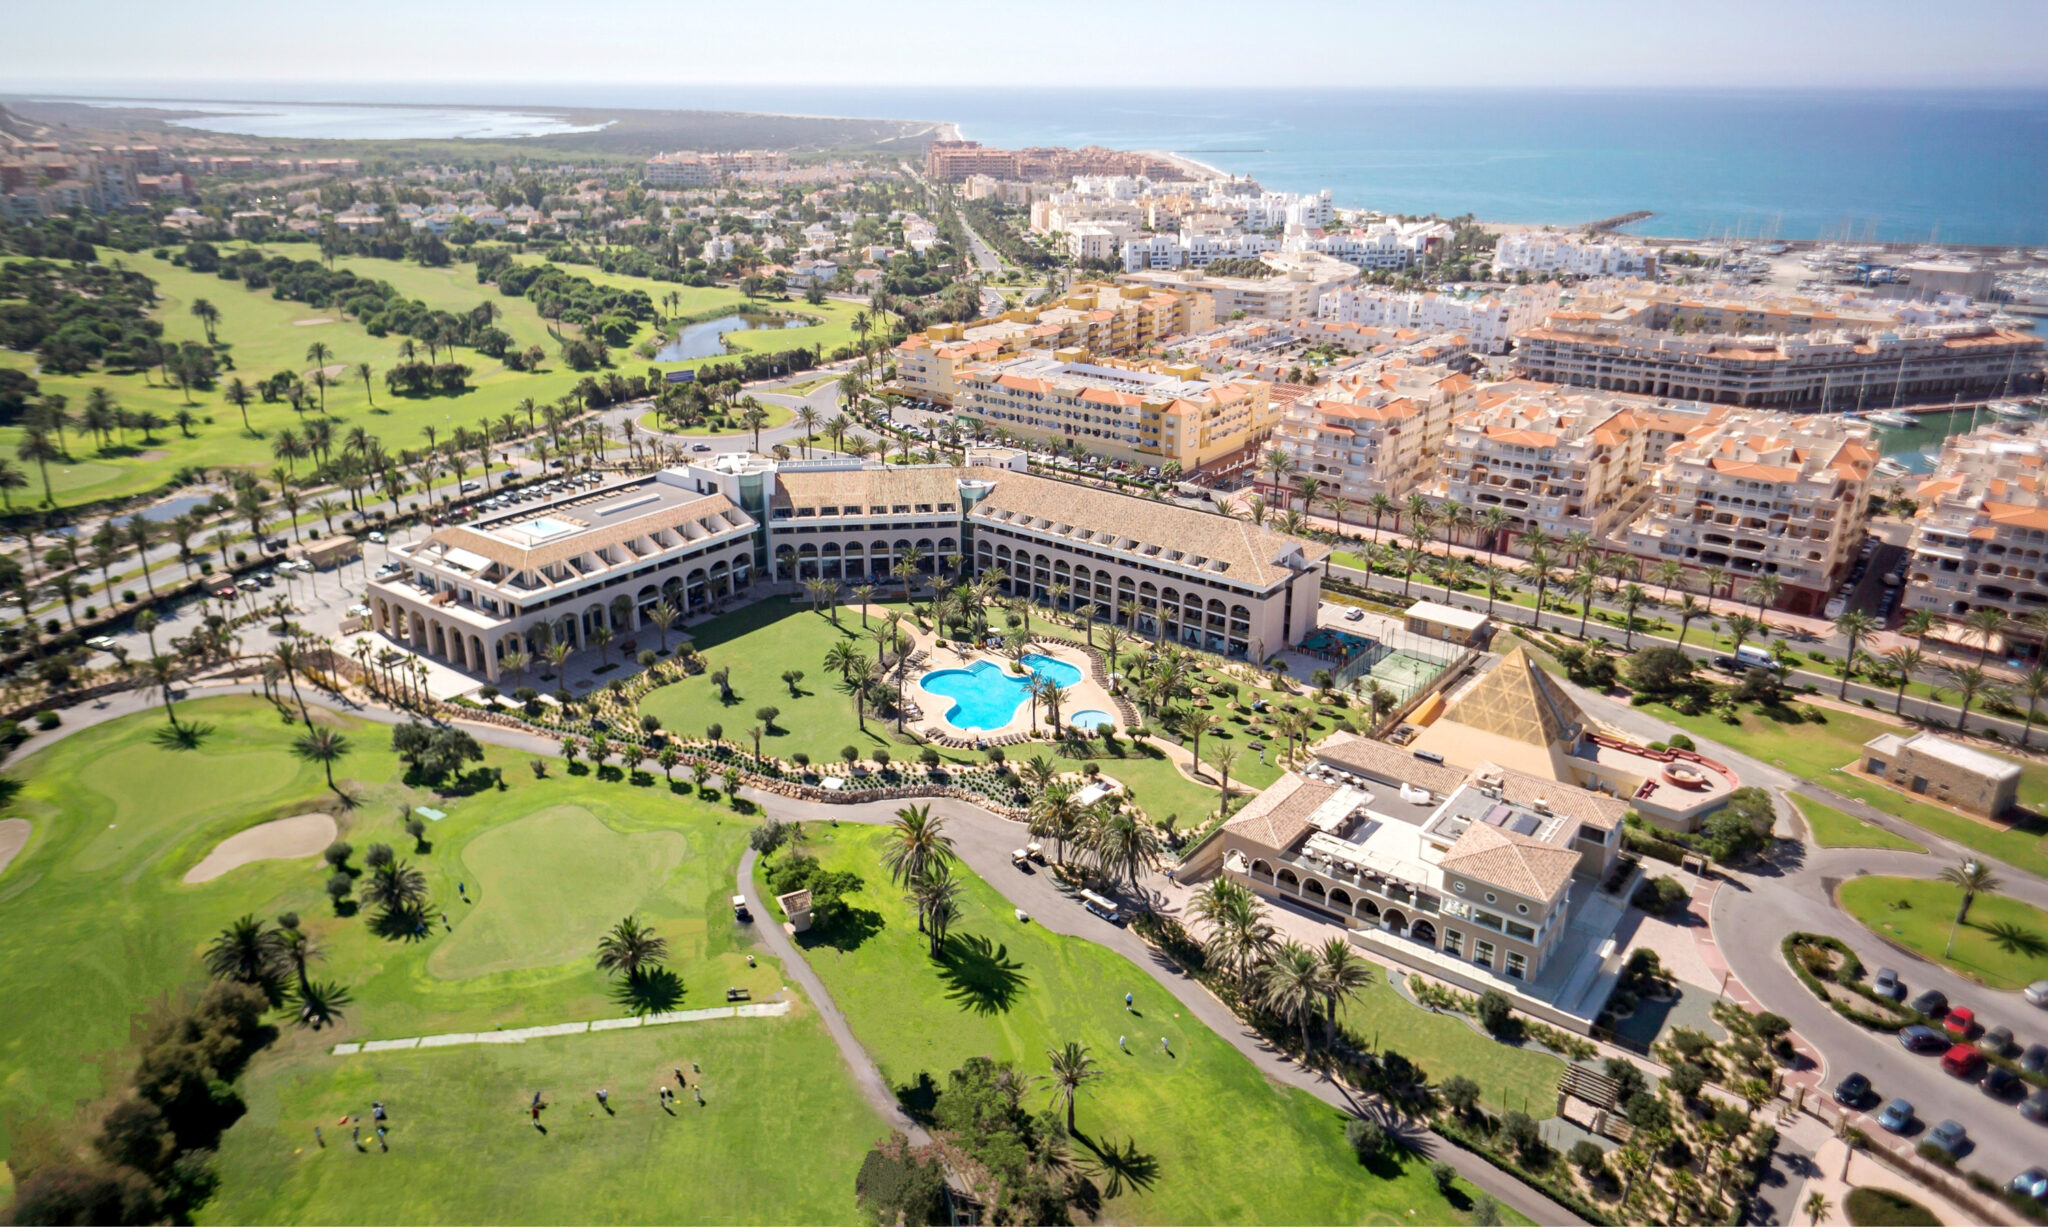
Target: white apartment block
1541, 251
1763, 494
1150, 415
1193, 249
1981, 537
1376, 432
1295, 291
1095, 240
1381, 245
1562, 463
1489, 322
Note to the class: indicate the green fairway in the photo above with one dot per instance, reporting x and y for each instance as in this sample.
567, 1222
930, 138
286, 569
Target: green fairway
1818, 752
2003, 944
1228, 1145
1834, 829
263, 335
97, 931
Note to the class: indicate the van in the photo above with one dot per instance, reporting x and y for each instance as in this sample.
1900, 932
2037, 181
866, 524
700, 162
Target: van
1754, 658
1100, 906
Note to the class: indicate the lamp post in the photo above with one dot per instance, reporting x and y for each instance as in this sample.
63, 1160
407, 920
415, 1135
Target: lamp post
1970, 869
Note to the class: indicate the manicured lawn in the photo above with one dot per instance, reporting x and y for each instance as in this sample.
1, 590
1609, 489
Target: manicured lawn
1818, 752
778, 415
1524, 1079
1228, 1145
97, 930
1834, 829
1884, 1208
2004, 943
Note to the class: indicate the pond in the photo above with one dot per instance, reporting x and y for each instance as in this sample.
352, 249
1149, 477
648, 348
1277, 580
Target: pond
707, 339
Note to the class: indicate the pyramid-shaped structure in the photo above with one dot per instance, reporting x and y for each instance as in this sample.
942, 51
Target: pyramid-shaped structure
1519, 701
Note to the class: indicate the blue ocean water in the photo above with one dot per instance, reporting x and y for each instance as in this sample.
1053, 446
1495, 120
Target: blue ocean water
1968, 167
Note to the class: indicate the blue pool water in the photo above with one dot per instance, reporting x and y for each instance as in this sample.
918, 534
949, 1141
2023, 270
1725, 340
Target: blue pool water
1091, 719
986, 696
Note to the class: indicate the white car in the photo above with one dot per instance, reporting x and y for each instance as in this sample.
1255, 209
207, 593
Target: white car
2037, 993
359, 611
101, 643
376, 538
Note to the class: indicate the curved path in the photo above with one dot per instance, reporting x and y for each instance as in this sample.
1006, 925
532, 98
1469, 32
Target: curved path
1754, 908
984, 841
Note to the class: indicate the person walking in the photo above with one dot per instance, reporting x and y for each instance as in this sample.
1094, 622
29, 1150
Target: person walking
381, 1142
536, 1111
1120, 1044
680, 1080
356, 1136
320, 1137
1165, 1047
1127, 1001
604, 1099
377, 1110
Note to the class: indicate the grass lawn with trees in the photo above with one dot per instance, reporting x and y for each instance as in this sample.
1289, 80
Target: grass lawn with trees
1884, 1208
2003, 943
1219, 1143
1834, 829
98, 933
1819, 751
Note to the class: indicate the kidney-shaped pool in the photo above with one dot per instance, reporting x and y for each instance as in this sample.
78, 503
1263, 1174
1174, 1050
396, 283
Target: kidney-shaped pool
986, 696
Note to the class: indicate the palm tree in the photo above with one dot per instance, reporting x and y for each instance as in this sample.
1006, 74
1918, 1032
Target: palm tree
1670, 573
208, 316
1223, 756
664, 616
35, 446
323, 746
1239, 936
1986, 621
1969, 682
1740, 627
936, 896
1765, 590
1971, 877
396, 887
1817, 1207
1124, 846
1919, 624
1853, 626
363, 373
247, 952
1904, 662
1541, 563
1072, 1069
1345, 975
1381, 505
1688, 609
1292, 986
1632, 597
1584, 583
317, 353
917, 841
631, 947
2034, 685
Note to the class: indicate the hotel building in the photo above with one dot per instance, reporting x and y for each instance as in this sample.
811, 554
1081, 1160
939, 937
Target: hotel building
471, 595
1371, 433
1490, 322
1537, 251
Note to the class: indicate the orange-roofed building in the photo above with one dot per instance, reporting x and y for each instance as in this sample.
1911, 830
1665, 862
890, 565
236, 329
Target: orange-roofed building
1763, 494
1980, 540
1372, 432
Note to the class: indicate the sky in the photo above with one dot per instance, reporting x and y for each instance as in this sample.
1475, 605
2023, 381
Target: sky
264, 49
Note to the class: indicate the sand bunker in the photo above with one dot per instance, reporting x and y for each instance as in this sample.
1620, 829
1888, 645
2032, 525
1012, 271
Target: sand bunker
308, 323
13, 838
305, 835
335, 370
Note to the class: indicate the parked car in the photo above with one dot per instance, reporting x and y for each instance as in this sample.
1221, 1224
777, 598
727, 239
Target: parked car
2030, 1183
1355, 615
2035, 1059
1962, 1061
2037, 993
376, 538
359, 611
1931, 1003
1951, 1137
1918, 1038
2035, 1107
1853, 1090
1897, 1116
1996, 1042
1888, 985
100, 643
2001, 1083
469, 487
1961, 1022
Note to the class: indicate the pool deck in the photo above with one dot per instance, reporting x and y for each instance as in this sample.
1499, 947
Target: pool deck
1083, 695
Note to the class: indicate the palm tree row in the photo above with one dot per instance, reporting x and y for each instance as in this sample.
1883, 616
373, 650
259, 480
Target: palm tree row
1296, 984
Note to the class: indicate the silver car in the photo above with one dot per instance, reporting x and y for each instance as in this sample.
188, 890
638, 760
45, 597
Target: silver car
2037, 993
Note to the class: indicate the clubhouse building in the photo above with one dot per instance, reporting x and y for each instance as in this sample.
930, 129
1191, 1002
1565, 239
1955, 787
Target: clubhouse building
517, 581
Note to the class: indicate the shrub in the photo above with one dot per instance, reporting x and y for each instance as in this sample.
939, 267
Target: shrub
47, 719
1588, 1158
929, 756
1679, 741
1365, 1137
338, 852
1445, 1176
1494, 1011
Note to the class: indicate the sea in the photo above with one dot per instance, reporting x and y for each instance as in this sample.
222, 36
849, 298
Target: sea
1955, 167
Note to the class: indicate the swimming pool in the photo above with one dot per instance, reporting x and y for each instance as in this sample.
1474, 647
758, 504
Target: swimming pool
986, 696
1091, 719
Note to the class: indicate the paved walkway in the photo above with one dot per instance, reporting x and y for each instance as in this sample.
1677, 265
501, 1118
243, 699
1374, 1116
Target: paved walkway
455, 1039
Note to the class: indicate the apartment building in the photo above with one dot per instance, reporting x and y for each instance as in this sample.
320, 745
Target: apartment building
1980, 538
1099, 318
1375, 432
1193, 247
1489, 321
1147, 414
1551, 460
1468, 875
1833, 369
1541, 251
473, 594
1763, 494
1380, 245
685, 168
1295, 289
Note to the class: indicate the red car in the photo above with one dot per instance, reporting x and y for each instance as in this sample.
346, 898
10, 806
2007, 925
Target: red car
1962, 1061
1961, 1022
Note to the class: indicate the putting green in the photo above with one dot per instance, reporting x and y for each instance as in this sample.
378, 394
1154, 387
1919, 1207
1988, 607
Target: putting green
547, 887
141, 779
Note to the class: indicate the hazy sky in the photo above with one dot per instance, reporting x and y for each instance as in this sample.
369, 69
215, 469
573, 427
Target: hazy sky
139, 46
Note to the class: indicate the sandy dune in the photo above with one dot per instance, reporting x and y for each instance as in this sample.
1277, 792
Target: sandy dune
308, 323
284, 839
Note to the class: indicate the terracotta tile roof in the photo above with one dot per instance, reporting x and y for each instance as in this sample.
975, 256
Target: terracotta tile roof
893, 486
1754, 471
1528, 867
1278, 817
1389, 763
2015, 516
1523, 789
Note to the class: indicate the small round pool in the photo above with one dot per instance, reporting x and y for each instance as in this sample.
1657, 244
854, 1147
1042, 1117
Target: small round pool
1092, 720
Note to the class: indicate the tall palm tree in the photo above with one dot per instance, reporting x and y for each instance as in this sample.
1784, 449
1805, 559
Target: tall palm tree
917, 841
1670, 573
1919, 624
1584, 583
1903, 662
1632, 597
317, 353
247, 951
1381, 505
936, 896
1987, 622
631, 947
1291, 986
1765, 591
1239, 936
1542, 563
1969, 682
1741, 627
1223, 756
323, 746
1853, 626
1971, 877
1072, 1069
1124, 846
2035, 686
1345, 975
1688, 609
36, 447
